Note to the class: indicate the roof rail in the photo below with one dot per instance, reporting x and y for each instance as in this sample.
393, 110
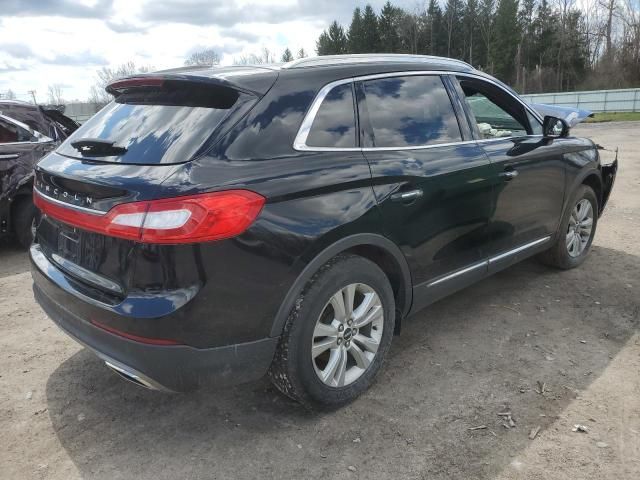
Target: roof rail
368, 58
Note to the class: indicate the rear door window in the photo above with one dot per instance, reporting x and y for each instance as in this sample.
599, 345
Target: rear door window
156, 127
334, 124
410, 111
10, 133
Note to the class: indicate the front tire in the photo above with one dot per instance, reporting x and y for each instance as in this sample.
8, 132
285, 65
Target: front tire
576, 233
337, 334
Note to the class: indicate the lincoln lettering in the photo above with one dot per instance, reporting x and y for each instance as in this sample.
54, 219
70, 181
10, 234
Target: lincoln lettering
57, 193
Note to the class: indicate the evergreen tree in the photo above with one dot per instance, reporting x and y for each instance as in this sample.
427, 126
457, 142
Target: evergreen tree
507, 37
544, 27
301, 53
471, 32
332, 42
453, 23
434, 29
486, 23
370, 38
541, 46
355, 37
287, 56
388, 28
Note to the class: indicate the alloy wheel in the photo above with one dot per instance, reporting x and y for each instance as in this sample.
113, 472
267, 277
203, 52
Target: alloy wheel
580, 228
347, 335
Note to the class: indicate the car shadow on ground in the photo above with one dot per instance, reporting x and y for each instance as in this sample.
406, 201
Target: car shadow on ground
13, 259
484, 350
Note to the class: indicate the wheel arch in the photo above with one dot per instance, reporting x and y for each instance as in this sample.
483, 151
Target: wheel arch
377, 248
593, 180
589, 176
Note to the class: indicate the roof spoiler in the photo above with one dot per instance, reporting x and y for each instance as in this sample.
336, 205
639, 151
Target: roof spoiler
159, 81
571, 115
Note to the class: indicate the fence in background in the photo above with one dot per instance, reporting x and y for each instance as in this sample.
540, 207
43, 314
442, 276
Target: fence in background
80, 111
623, 100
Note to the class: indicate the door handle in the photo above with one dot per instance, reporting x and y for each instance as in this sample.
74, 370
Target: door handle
509, 174
407, 196
9, 156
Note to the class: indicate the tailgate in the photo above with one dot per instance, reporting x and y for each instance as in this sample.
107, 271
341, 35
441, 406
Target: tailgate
97, 260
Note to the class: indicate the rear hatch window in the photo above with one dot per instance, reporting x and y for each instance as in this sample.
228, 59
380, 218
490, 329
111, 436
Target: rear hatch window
165, 123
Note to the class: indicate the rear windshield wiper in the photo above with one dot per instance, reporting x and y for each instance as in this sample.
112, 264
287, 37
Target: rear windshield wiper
97, 147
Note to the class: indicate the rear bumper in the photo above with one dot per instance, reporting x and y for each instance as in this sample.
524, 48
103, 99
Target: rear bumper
172, 368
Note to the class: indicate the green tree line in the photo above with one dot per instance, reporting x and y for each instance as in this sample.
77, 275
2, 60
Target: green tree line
534, 45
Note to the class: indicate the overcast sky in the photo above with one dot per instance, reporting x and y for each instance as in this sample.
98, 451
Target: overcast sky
45, 42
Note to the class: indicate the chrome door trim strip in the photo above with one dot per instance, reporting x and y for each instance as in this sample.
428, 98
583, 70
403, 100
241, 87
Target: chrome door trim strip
457, 273
492, 260
300, 142
519, 249
47, 198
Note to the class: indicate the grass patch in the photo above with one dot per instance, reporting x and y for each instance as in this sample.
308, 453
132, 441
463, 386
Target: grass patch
614, 117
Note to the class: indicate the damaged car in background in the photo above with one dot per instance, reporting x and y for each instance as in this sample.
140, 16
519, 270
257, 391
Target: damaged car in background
27, 133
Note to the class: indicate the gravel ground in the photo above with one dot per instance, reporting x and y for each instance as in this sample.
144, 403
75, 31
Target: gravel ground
554, 349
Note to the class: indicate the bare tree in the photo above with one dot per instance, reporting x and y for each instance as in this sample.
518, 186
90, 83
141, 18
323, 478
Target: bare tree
594, 25
9, 95
54, 94
266, 56
207, 56
98, 95
611, 8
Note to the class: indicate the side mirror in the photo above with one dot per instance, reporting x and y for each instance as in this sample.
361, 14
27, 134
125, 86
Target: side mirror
554, 127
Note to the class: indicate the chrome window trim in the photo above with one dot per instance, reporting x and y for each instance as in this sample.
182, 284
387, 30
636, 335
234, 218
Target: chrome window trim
42, 138
300, 142
92, 211
490, 261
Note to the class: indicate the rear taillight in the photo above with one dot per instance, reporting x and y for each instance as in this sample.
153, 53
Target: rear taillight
189, 219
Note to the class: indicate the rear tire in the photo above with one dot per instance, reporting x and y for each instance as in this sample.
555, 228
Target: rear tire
327, 356
576, 232
25, 216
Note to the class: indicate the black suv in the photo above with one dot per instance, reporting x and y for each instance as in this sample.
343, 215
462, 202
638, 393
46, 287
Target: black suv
27, 133
219, 224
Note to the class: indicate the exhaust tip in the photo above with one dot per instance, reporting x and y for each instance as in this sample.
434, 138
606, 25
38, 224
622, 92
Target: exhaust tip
131, 376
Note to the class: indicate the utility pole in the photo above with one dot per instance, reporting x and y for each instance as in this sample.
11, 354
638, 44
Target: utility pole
33, 95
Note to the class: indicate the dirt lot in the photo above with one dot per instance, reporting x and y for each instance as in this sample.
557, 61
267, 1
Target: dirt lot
553, 348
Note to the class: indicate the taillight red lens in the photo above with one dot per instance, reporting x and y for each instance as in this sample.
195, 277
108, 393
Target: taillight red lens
189, 219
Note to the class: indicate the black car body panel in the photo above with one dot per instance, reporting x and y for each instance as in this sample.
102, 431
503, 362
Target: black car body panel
123, 297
